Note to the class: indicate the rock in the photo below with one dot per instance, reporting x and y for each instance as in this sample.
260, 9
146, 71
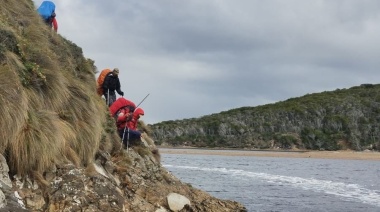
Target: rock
161, 209
100, 170
3, 201
9, 200
176, 201
35, 202
4, 169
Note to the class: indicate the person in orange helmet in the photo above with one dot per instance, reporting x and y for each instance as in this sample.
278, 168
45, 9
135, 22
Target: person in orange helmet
127, 126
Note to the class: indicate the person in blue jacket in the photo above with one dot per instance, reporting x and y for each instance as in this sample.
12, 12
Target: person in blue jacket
47, 12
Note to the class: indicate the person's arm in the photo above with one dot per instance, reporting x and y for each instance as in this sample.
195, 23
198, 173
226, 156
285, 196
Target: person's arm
135, 124
55, 25
121, 93
131, 124
124, 116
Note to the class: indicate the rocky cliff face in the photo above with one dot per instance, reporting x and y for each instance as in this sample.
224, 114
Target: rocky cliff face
134, 180
347, 118
59, 149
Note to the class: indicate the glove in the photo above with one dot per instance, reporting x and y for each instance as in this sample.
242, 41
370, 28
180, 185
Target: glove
122, 93
129, 117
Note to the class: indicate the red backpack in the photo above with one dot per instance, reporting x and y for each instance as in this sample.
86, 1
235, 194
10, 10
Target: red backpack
100, 80
121, 103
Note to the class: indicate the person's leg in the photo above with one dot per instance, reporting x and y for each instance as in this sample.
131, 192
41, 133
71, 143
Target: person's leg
131, 137
112, 99
134, 135
106, 98
128, 135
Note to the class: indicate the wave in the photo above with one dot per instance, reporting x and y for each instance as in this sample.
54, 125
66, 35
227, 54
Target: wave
352, 192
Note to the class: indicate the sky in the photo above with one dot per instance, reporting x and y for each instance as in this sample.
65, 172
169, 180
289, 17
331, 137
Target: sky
199, 57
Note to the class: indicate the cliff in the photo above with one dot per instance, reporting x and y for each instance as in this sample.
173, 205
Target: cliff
59, 150
331, 120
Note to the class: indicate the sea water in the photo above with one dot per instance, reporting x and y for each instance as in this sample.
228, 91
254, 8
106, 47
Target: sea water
282, 184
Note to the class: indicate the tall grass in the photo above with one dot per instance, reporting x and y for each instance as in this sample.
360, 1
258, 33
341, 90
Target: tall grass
49, 110
39, 144
13, 105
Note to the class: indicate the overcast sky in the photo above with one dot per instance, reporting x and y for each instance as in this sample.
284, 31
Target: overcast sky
199, 57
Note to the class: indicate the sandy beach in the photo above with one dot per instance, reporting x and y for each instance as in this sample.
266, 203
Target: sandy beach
347, 154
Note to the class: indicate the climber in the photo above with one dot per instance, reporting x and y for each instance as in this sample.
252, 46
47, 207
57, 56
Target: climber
127, 126
47, 12
110, 84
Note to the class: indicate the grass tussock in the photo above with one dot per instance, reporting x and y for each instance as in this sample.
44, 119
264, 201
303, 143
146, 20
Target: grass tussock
144, 128
85, 144
142, 151
40, 143
18, 14
111, 143
91, 170
37, 176
121, 170
14, 63
40, 54
13, 106
121, 159
8, 43
72, 156
55, 91
105, 143
149, 140
85, 115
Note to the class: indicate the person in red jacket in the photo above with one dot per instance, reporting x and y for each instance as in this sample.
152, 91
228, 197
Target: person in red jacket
127, 125
132, 124
54, 23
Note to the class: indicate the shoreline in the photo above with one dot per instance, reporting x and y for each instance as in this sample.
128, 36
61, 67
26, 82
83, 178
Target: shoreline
341, 154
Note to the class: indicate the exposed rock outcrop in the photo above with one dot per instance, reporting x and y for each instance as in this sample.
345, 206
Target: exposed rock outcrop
139, 183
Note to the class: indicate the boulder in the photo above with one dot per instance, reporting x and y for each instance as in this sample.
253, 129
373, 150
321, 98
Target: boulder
177, 202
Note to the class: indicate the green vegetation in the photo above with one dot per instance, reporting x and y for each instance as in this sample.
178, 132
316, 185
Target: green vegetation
320, 121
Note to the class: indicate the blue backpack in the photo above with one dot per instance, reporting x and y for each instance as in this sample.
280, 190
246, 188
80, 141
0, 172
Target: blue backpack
46, 10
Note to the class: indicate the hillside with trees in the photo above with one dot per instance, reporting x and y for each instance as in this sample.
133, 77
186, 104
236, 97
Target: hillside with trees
331, 120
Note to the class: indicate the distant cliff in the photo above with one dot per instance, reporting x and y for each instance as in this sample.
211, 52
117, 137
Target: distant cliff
59, 149
331, 120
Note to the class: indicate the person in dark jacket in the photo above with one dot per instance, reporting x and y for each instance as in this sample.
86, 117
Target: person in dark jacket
110, 85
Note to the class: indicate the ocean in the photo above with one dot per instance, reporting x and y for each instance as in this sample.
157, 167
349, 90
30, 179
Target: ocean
282, 184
